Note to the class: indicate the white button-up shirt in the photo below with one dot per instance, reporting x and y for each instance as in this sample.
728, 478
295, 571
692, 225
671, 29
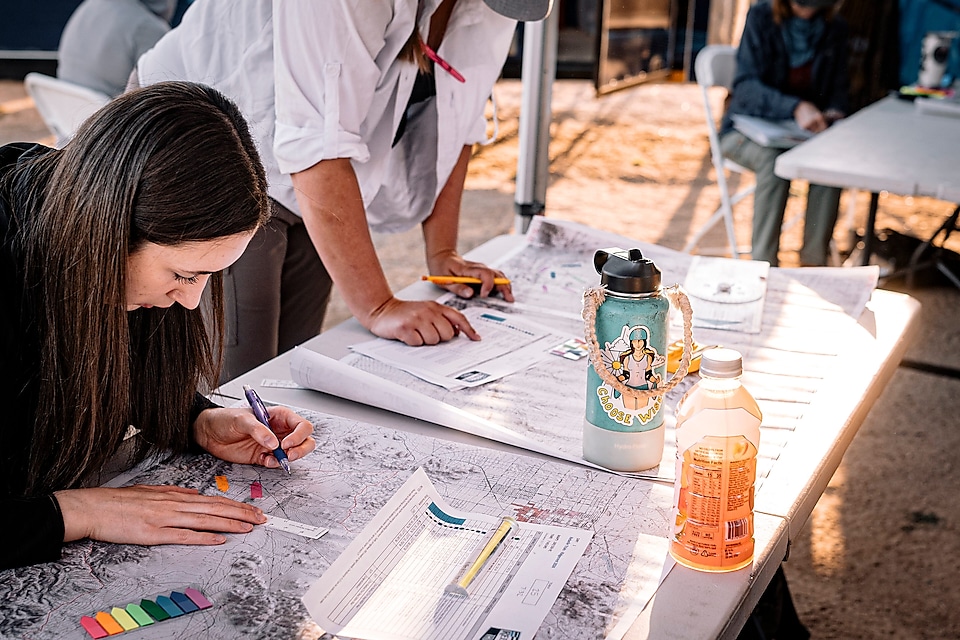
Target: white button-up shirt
320, 79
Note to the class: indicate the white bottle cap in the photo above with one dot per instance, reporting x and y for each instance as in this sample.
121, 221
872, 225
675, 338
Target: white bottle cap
721, 363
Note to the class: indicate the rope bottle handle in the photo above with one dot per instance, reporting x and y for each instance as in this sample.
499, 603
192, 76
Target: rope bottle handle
593, 298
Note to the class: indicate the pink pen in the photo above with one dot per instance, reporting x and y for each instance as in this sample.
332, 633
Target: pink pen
430, 53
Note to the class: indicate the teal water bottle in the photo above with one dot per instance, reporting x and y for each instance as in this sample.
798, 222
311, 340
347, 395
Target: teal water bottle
622, 429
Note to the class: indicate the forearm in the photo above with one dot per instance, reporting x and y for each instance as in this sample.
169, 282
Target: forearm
334, 215
440, 229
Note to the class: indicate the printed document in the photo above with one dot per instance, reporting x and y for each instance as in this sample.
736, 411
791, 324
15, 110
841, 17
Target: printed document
389, 583
780, 134
509, 344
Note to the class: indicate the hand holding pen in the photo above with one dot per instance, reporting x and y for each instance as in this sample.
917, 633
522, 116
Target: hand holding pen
236, 435
260, 411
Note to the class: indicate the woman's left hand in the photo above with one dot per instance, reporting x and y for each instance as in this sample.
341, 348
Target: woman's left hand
235, 435
453, 264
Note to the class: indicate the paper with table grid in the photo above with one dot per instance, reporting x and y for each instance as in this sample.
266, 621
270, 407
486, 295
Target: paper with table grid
389, 582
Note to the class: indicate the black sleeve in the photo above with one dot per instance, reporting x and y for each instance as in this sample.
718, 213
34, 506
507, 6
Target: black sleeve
32, 533
200, 404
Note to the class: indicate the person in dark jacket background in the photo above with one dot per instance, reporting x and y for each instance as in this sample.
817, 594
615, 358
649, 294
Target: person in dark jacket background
106, 246
791, 64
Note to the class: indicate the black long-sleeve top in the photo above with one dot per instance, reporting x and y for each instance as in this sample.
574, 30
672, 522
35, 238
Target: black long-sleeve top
33, 529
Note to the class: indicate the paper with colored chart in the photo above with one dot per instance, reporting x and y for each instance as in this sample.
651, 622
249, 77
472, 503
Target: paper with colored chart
390, 581
510, 344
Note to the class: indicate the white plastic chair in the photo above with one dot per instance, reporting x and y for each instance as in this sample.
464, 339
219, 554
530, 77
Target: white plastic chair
715, 66
62, 105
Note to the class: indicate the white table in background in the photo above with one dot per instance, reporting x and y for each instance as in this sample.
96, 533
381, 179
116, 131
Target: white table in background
888, 146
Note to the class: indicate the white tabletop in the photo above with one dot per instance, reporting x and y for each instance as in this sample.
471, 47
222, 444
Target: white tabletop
689, 603
888, 146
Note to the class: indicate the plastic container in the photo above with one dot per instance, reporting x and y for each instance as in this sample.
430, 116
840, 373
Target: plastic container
718, 433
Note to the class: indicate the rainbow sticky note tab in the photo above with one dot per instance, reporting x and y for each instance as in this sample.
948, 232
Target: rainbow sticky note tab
92, 627
111, 626
124, 619
134, 616
181, 600
137, 613
198, 598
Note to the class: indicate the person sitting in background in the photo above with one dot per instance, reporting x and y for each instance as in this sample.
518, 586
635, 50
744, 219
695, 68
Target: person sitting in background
791, 63
105, 249
103, 40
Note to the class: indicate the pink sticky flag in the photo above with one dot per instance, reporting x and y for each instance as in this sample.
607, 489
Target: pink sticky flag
198, 598
93, 627
256, 489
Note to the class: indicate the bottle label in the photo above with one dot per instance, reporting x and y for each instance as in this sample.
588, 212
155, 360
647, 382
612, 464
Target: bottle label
636, 362
713, 527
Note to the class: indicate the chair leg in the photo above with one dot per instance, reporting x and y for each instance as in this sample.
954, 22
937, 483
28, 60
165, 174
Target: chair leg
948, 227
702, 231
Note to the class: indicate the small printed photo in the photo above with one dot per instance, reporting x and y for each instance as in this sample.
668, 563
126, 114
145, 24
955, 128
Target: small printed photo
473, 376
572, 349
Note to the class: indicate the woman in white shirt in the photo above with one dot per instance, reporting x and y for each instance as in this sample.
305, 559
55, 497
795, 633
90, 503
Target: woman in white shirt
353, 138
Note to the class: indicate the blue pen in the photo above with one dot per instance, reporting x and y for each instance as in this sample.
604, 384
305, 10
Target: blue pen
260, 411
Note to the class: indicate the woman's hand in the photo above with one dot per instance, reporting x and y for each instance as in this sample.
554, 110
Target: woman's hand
153, 515
235, 435
449, 263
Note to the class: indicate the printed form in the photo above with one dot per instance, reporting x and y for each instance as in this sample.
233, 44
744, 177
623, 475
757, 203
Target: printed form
509, 344
389, 582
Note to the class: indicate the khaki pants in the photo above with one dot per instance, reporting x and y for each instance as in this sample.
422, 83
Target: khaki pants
770, 201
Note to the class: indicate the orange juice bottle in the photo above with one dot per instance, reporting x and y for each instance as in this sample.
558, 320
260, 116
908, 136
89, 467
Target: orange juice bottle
718, 432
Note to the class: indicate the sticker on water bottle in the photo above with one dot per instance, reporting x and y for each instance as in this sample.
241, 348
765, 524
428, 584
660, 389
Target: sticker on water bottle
632, 360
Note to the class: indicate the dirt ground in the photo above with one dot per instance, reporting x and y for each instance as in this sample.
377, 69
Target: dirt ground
877, 557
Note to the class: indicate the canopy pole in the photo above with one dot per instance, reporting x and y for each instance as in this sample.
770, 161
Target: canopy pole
538, 70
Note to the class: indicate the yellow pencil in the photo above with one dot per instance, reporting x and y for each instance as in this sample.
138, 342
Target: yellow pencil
459, 587
461, 280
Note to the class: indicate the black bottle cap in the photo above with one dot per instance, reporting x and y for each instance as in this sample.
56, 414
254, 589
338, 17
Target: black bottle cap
626, 271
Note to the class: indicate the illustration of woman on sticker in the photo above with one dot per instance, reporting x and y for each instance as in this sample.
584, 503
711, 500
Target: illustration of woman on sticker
637, 363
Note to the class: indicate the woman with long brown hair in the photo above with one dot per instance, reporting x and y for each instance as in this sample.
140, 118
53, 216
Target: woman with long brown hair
106, 248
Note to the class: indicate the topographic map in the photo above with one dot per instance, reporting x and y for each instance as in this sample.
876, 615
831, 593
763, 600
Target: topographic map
256, 580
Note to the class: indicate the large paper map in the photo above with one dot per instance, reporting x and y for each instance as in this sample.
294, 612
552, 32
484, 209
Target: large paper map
256, 580
808, 316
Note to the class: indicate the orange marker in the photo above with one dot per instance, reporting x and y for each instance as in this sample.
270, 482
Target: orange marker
461, 280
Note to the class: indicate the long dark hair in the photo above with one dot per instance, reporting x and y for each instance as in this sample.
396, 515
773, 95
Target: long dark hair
166, 164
